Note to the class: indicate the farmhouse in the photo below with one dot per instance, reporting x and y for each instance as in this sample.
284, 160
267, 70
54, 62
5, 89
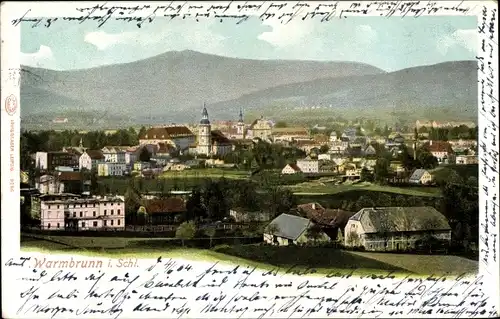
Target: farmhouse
165, 211
290, 169
421, 176
396, 228
441, 150
288, 229
330, 220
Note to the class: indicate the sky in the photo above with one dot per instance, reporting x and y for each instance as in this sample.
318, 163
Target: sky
388, 43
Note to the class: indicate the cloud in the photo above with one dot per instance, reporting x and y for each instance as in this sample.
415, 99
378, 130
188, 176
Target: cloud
103, 40
365, 34
466, 38
284, 35
43, 58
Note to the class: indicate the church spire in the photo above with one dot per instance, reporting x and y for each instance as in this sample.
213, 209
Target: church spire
204, 115
241, 116
81, 143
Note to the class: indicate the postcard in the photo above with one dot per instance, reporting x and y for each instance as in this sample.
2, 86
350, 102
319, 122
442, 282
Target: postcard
249, 159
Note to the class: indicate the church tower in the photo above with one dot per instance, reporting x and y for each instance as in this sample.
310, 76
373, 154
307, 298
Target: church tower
204, 134
240, 127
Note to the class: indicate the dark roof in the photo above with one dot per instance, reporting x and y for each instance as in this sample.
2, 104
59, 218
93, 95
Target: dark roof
324, 216
401, 219
95, 154
219, 137
295, 167
167, 205
165, 148
166, 132
290, 226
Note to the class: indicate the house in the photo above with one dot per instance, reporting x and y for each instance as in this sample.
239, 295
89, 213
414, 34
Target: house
397, 167
47, 161
179, 136
290, 169
288, 229
466, 159
396, 228
370, 151
260, 128
308, 165
75, 213
306, 145
221, 145
421, 176
120, 154
165, 150
46, 184
241, 215
111, 169
165, 211
90, 158
139, 166
330, 220
441, 150
290, 134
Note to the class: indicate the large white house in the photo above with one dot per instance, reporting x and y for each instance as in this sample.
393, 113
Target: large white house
179, 136
82, 213
308, 165
90, 158
111, 169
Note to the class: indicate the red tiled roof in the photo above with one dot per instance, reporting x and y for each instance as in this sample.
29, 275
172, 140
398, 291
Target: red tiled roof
325, 216
69, 176
290, 131
166, 132
167, 205
439, 146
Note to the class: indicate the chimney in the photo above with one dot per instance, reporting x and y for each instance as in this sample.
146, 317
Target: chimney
430, 142
314, 206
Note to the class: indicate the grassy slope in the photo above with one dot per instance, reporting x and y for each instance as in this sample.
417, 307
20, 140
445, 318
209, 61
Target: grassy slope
311, 189
324, 260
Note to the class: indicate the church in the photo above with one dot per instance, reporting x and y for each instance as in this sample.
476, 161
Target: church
210, 143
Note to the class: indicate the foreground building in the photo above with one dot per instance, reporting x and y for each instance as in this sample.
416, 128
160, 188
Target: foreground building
289, 229
396, 228
76, 213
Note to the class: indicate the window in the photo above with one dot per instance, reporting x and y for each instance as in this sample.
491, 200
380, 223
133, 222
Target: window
111, 222
57, 206
48, 225
105, 223
81, 214
112, 212
118, 212
95, 224
93, 213
49, 206
58, 225
74, 214
86, 205
48, 214
118, 222
104, 212
81, 205
104, 204
83, 224
94, 204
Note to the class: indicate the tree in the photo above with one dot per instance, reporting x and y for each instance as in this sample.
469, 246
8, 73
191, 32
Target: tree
381, 170
366, 175
185, 231
426, 160
210, 232
324, 149
144, 155
281, 124
314, 233
384, 200
364, 202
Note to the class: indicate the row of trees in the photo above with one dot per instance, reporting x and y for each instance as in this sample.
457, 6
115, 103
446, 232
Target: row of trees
212, 199
453, 133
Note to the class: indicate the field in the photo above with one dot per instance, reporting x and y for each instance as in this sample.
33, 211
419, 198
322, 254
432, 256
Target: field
323, 259
206, 173
318, 188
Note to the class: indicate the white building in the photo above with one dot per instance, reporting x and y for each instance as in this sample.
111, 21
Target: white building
111, 169
90, 158
83, 213
308, 165
179, 136
290, 169
204, 135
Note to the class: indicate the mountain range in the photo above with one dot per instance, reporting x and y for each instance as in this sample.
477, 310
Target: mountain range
173, 86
